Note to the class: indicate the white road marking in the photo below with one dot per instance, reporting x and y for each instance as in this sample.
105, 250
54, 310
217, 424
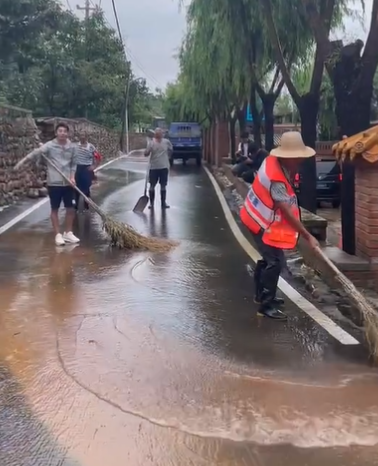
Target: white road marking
318, 316
42, 202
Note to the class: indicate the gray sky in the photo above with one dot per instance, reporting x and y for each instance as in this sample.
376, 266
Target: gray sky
153, 30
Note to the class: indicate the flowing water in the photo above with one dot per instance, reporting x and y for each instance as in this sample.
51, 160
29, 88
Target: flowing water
114, 358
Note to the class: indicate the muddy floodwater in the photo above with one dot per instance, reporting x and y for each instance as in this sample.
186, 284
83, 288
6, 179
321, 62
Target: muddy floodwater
126, 359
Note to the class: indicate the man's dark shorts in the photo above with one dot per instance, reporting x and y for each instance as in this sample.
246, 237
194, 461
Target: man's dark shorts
59, 194
159, 175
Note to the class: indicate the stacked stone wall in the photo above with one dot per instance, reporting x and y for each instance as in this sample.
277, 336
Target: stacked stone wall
20, 133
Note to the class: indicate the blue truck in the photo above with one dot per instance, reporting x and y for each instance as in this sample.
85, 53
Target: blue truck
186, 139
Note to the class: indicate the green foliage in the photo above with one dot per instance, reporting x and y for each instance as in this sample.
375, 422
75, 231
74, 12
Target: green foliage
212, 78
55, 64
227, 50
172, 105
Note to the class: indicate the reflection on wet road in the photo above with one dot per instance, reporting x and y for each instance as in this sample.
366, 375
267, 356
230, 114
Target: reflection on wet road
111, 358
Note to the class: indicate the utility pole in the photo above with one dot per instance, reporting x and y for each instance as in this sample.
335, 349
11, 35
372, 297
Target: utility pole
87, 8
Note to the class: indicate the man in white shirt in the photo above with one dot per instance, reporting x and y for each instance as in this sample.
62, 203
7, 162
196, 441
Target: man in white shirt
159, 150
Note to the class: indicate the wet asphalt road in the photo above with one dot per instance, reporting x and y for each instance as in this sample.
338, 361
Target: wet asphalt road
111, 358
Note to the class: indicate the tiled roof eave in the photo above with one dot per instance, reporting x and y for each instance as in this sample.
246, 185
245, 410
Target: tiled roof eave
362, 145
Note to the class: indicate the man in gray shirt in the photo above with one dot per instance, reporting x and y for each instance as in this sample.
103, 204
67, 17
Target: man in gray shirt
61, 151
159, 150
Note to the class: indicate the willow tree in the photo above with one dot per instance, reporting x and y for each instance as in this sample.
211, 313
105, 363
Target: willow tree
211, 72
351, 68
277, 13
327, 121
260, 49
255, 53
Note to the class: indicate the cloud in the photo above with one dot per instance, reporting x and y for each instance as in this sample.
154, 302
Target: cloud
153, 31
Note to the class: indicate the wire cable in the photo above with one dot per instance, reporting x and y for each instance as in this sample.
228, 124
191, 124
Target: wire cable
128, 53
117, 21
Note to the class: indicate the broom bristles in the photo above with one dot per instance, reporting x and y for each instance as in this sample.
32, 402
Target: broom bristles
369, 314
367, 311
123, 236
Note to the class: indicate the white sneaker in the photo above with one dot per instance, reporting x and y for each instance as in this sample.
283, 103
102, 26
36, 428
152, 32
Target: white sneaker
59, 240
70, 238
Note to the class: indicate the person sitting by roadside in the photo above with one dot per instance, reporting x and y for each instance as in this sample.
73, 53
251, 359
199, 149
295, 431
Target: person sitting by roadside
253, 167
244, 156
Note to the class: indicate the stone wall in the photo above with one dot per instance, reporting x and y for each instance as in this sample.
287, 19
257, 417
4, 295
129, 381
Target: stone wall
105, 140
20, 134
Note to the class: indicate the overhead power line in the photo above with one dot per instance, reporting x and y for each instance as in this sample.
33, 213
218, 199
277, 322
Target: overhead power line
128, 53
117, 21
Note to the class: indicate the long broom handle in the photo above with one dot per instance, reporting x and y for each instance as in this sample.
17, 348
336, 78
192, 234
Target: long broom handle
147, 173
147, 170
65, 177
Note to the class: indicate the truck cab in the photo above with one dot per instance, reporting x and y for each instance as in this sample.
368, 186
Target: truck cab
186, 139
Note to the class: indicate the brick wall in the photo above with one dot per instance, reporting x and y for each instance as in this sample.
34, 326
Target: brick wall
366, 183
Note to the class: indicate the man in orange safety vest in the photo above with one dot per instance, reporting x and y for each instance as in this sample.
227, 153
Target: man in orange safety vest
272, 214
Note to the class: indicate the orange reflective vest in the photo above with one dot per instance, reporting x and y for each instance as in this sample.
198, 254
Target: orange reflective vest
259, 213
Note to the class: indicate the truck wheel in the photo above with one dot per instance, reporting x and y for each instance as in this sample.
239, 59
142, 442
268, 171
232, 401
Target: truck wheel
199, 161
171, 162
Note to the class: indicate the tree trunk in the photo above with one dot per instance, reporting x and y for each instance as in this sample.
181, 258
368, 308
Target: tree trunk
353, 116
242, 118
353, 95
268, 103
232, 123
256, 118
309, 107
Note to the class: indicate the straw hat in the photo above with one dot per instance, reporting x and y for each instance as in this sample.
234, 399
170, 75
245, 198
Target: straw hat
292, 147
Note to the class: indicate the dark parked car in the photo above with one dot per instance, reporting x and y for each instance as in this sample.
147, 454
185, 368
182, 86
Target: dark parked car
328, 182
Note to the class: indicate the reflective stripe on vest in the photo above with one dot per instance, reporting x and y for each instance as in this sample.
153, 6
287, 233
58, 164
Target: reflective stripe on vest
261, 210
262, 214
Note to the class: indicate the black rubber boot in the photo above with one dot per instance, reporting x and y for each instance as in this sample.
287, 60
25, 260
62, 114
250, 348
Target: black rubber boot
259, 298
151, 195
163, 195
272, 311
270, 305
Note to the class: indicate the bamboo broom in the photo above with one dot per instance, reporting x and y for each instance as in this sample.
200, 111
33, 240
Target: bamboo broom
122, 236
369, 314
